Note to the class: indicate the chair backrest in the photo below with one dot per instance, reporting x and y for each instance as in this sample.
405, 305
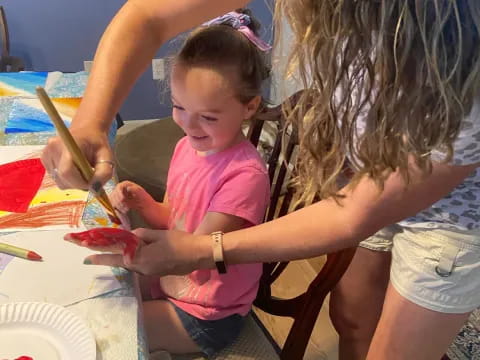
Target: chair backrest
304, 308
7, 63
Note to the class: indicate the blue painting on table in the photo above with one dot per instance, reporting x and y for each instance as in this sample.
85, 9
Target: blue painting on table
21, 83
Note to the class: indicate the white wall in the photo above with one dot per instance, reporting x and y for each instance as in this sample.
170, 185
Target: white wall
282, 87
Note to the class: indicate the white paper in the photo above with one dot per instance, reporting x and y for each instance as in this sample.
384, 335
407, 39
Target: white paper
14, 152
113, 321
61, 277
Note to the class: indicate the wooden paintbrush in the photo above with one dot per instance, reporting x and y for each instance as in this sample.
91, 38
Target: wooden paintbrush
78, 158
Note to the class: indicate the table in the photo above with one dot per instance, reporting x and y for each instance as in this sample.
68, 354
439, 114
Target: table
69, 86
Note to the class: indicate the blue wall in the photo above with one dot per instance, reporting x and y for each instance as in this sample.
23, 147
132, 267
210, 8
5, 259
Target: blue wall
60, 34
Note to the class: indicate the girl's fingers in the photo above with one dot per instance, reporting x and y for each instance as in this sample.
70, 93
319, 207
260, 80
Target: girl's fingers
114, 198
124, 189
123, 208
124, 220
114, 260
118, 199
115, 248
119, 204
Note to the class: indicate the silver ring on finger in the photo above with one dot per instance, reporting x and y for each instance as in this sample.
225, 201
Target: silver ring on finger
109, 162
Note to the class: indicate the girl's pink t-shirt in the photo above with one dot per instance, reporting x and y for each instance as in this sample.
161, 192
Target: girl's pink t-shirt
233, 181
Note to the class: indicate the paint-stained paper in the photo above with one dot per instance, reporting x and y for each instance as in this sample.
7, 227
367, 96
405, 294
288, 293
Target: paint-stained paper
61, 277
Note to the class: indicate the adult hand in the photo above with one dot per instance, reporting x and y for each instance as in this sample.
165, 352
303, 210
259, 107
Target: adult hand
59, 163
160, 252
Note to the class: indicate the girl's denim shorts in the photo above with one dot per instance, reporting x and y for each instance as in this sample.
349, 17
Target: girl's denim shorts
211, 336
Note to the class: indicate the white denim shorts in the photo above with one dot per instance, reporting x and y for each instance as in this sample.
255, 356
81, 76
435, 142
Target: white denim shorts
438, 269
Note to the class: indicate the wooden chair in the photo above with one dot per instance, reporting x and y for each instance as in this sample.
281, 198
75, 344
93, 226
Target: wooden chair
8, 63
304, 309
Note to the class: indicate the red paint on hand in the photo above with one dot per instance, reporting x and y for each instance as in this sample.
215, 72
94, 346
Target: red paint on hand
24, 358
107, 237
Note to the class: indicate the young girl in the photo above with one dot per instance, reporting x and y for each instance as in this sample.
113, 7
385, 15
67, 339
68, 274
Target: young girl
217, 181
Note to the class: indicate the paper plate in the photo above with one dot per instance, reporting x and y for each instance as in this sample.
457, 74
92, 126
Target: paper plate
44, 332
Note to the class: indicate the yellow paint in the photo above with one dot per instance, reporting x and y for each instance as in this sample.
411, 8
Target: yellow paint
67, 106
7, 92
54, 194
101, 221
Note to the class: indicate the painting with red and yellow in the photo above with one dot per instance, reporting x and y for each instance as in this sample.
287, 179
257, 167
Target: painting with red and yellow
29, 198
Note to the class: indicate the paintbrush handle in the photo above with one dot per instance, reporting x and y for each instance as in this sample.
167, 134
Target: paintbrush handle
78, 158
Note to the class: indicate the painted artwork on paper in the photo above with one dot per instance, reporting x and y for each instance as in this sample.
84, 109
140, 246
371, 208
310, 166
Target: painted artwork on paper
21, 83
28, 115
49, 208
29, 173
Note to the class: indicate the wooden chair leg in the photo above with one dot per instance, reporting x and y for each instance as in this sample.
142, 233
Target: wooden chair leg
302, 327
307, 313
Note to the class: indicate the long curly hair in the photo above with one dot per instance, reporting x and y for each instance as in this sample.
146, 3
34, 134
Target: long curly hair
392, 81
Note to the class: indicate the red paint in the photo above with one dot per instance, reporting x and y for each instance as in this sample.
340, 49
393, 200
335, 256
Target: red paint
19, 182
24, 358
107, 237
32, 255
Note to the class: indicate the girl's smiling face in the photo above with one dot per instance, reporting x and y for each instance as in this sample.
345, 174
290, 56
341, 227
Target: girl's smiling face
206, 108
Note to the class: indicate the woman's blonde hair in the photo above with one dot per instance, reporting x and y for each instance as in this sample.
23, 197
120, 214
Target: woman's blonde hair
405, 71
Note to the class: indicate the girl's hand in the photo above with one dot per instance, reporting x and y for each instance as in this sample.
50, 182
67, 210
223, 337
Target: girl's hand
159, 252
107, 240
130, 196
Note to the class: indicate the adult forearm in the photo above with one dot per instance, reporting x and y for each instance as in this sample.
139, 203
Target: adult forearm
125, 49
327, 226
299, 235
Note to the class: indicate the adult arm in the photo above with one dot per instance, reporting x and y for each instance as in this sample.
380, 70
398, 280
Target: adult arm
318, 229
126, 48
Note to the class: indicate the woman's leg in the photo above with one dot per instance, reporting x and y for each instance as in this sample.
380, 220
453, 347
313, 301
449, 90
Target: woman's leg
356, 302
409, 331
164, 329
